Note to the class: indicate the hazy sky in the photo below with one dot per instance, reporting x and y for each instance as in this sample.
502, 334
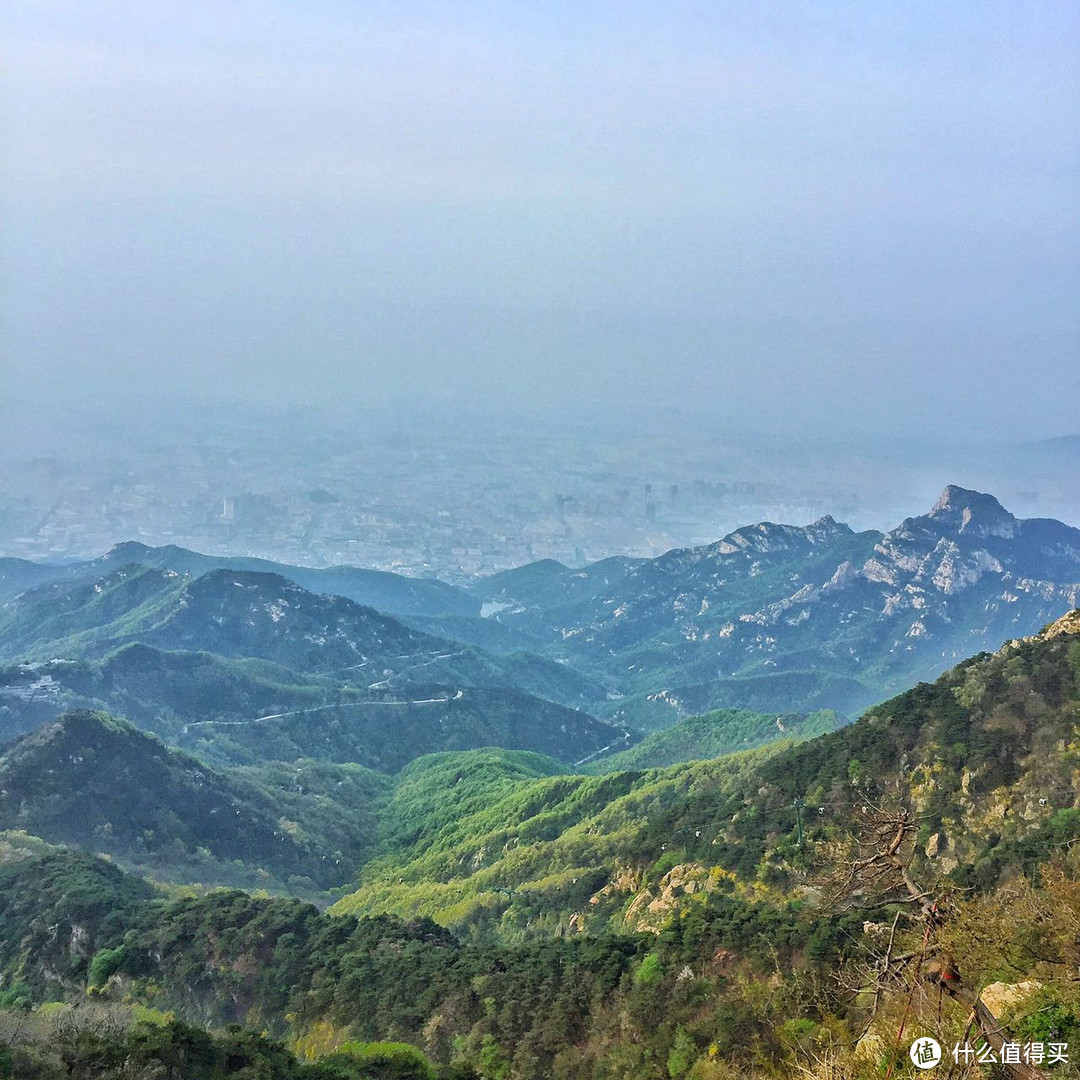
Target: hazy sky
864, 215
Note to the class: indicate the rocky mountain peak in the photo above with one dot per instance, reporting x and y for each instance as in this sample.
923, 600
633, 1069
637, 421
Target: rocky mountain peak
1067, 624
827, 528
972, 513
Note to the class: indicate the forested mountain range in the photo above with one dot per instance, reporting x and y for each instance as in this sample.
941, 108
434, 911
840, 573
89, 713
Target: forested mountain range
468, 836
793, 619
232, 654
700, 920
392, 593
242, 665
770, 618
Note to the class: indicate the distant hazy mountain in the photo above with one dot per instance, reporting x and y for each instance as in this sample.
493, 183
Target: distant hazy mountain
393, 593
18, 575
235, 613
786, 618
548, 583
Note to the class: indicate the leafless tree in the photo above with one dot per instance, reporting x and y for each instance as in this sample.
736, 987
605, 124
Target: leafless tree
872, 869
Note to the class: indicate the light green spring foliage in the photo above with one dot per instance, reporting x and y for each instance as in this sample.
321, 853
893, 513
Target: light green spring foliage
714, 734
487, 835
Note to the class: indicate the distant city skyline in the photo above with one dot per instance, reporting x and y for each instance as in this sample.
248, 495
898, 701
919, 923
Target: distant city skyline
456, 494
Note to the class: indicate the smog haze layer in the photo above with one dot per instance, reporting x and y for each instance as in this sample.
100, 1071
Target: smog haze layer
820, 219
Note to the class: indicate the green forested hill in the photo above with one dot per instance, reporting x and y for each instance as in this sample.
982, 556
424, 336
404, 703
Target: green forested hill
714, 734
668, 924
232, 613
95, 782
523, 853
386, 731
160, 691
243, 614
987, 755
241, 711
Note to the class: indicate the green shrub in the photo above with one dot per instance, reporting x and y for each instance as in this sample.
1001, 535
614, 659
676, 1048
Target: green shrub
378, 1061
105, 964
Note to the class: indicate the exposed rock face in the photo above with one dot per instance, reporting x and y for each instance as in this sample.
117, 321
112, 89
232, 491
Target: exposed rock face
866, 613
845, 575
952, 546
1067, 624
649, 910
939, 849
969, 539
972, 512
999, 996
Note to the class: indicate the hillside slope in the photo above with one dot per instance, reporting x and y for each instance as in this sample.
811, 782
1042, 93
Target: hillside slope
386, 731
241, 711
988, 757
714, 734
94, 782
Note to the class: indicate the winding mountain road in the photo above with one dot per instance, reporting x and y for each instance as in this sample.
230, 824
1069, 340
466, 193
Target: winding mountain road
457, 696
